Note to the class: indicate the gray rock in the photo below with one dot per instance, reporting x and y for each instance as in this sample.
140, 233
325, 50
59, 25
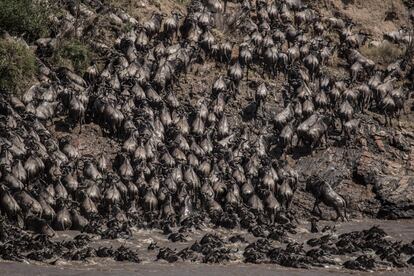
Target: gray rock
396, 195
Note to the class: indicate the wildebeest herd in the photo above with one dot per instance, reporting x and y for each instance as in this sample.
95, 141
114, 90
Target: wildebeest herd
183, 164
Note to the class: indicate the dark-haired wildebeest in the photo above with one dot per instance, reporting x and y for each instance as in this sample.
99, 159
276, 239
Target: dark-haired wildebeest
323, 192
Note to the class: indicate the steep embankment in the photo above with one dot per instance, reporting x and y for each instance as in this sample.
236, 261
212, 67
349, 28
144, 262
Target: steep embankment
162, 123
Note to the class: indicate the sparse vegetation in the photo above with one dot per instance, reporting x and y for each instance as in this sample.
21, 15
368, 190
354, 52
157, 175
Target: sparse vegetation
124, 4
408, 3
17, 66
385, 53
26, 18
182, 2
74, 55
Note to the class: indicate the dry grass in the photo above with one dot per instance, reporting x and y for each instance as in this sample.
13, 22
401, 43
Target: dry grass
385, 53
368, 15
124, 4
142, 10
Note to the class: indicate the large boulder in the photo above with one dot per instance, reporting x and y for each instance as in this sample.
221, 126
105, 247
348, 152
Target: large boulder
392, 183
396, 194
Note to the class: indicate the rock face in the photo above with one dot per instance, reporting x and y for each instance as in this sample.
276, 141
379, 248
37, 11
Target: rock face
375, 174
392, 181
396, 195
332, 164
368, 167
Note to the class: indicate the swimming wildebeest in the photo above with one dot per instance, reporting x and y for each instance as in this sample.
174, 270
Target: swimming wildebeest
323, 192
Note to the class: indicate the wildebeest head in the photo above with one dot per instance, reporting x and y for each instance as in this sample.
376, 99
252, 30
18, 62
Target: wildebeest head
312, 184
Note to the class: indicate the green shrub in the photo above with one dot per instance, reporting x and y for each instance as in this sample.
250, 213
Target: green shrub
73, 54
17, 66
28, 18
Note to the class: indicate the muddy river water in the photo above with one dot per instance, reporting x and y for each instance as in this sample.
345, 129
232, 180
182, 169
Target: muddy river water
397, 230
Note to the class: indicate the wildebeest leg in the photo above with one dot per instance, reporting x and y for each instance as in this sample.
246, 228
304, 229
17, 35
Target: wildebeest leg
272, 217
81, 122
312, 147
300, 143
362, 105
261, 104
320, 212
390, 120
386, 118
295, 218
345, 215
288, 202
338, 213
198, 202
398, 120
316, 206
20, 220
274, 71
284, 157
341, 124
194, 196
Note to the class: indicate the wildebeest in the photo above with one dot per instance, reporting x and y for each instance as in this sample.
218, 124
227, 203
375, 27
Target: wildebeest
323, 192
314, 130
